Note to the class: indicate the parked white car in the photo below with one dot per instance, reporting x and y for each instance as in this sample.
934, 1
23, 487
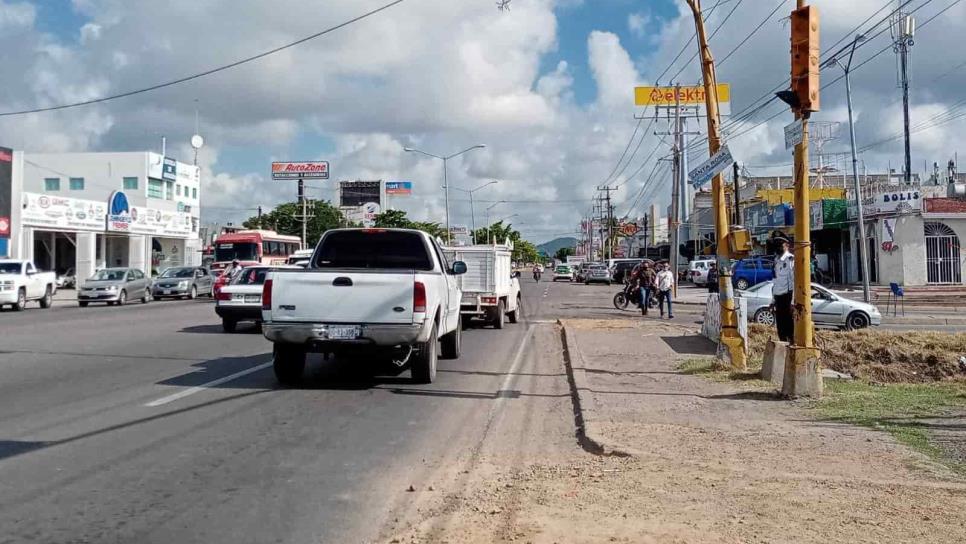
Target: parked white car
20, 282
386, 293
828, 309
698, 271
490, 287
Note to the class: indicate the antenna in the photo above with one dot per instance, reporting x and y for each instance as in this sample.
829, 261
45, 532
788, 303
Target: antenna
197, 142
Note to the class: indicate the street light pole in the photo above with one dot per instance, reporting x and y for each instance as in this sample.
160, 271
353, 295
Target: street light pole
857, 187
449, 235
472, 205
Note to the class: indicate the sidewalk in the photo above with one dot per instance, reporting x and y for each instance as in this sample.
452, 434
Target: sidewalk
715, 462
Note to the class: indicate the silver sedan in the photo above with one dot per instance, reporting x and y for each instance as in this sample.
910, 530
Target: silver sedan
828, 309
182, 282
114, 286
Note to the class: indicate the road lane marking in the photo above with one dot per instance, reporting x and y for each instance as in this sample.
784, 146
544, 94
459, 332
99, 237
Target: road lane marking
515, 366
199, 388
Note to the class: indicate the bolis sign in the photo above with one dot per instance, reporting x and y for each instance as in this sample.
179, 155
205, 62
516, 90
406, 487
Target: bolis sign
300, 170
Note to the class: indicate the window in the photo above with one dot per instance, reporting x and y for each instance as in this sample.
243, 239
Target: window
130, 184
155, 188
194, 192
76, 184
373, 249
177, 190
169, 190
51, 184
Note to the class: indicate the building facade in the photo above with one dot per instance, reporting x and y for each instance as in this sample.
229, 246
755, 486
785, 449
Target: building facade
93, 210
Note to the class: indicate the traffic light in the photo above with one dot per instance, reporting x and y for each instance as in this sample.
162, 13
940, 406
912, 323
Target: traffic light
806, 55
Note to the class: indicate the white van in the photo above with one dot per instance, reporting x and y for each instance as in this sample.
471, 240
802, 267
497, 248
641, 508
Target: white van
698, 271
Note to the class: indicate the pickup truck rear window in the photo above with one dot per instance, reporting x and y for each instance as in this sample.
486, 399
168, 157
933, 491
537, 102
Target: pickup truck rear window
373, 249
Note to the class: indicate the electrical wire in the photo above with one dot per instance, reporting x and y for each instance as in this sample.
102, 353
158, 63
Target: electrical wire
711, 37
210, 71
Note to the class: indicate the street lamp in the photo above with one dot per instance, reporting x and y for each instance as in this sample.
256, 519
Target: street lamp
490, 207
472, 207
449, 236
863, 243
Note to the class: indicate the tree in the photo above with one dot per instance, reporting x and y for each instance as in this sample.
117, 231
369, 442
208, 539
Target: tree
396, 219
563, 253
525, 252
285, 219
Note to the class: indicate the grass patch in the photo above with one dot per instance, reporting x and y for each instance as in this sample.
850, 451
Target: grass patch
896, 409
709, 368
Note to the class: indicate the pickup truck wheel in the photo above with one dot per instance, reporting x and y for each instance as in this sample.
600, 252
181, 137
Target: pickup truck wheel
229, 325
21, 303
515, 314
48, 299
500, 317
424, 362
453, 342
288, 362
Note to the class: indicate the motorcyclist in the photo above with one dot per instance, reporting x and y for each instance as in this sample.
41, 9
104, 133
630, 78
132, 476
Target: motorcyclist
537, 271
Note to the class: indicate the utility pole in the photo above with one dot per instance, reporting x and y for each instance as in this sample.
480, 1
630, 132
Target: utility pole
856, 186
608, 212
903, 37
305, 216
734, 345
737, 180
259, 217
802, 371
646, 229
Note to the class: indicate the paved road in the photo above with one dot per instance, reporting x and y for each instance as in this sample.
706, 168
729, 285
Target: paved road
145, 423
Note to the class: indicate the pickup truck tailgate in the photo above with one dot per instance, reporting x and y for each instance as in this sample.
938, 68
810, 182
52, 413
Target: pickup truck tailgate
334, 296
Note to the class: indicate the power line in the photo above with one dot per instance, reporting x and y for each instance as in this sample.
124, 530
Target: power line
753, 32
711, 37
207, 72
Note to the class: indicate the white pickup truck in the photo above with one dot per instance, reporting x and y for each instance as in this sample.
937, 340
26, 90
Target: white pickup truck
375, 292
20, 282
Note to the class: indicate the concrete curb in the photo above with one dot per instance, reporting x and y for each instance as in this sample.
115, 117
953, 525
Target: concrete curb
589, 435
923, 320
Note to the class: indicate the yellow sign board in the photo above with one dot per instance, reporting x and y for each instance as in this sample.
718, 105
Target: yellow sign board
665, 96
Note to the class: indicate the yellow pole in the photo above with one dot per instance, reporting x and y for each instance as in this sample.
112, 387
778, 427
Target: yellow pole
730, 338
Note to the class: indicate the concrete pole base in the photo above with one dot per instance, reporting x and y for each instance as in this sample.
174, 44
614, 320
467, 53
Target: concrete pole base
803, 373
731, 350
773, 363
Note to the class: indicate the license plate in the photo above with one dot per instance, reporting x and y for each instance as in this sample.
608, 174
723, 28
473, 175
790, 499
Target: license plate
344, 333
167, 291
253, 298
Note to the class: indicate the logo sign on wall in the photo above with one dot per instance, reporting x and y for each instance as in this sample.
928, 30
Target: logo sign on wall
67, 213
887, 202
170, 170
300, 170
118, 213
889, 235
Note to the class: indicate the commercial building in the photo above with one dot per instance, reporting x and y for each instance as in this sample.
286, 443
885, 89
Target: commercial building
93, 210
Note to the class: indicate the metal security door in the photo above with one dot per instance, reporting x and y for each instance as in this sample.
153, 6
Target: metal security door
943, 263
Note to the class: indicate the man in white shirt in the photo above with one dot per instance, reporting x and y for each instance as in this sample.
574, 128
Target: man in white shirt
782, 292
665, 283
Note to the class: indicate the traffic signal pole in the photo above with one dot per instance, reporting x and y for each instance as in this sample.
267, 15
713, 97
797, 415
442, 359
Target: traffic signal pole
733, 344
802, 365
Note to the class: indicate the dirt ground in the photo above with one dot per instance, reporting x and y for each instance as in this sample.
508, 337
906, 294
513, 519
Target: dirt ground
711, 462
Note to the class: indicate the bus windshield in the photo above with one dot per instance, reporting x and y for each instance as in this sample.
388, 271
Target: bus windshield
229, 251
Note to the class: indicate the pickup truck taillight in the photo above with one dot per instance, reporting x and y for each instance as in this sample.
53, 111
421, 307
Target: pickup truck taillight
267, 295
419, 298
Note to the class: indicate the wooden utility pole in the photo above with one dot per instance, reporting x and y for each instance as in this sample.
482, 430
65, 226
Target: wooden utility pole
732, 343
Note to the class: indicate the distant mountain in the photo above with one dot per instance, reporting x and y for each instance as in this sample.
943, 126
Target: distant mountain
551, 247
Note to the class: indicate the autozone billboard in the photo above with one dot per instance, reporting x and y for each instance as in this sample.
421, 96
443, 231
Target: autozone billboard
300, 170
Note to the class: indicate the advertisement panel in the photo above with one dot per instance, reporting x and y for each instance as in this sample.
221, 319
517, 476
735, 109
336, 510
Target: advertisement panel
57, 212
399, 187
364, 214
359, 193
6, 190
300, 170
686, 96
889, 201
160, 223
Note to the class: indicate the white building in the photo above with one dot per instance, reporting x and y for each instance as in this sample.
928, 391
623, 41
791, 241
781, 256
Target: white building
93, 210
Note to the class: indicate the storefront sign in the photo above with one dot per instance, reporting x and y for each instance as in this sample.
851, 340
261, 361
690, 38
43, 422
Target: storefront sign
160, 223
56, 212
892, 202
300, 170
169, 170
889, 235
118, 213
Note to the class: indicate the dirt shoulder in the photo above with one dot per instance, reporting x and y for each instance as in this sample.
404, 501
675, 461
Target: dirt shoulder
711, 462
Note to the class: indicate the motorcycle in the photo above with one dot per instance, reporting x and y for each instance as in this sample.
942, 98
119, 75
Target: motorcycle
632, 296
536, 275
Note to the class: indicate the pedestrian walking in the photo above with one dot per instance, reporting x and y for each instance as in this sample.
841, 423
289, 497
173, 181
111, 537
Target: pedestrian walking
665, 283
713, 278
647, 280
782, 290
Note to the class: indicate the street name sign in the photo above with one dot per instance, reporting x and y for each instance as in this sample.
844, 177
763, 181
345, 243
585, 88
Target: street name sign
711, 167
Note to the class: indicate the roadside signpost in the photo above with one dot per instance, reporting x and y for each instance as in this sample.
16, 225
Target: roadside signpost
793, 134
716, 164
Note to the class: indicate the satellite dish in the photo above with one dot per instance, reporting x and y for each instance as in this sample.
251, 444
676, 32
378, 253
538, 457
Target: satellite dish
197, 141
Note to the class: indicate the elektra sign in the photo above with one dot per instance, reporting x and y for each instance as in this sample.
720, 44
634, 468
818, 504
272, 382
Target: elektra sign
118, 212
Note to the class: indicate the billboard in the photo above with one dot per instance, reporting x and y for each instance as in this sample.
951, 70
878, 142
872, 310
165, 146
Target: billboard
56, 212
359, 193
6, 190
686, 96
399, 187
300, 170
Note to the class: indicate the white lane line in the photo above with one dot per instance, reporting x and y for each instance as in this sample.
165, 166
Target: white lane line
199, 388
517, 359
